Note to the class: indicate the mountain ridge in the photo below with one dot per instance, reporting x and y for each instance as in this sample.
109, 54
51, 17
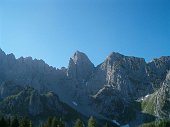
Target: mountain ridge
103, 90
27, 57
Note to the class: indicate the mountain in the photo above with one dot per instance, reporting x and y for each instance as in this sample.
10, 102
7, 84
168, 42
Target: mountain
29, 102
80, 67
28, 71
126, 74
158, 103
121, 81
122, 88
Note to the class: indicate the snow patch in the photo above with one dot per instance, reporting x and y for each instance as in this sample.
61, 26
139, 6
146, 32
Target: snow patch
142, 98
127, 125
114, 121
74, 103
147, 96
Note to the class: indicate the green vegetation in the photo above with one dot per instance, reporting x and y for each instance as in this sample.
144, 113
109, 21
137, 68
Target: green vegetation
15, 122
53, 122
148, 104
91, 122
78, 123
58, 122
50, 122
3, 122
161, 123
25, 122
106, 125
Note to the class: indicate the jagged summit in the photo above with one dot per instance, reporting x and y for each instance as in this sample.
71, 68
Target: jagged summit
79, 56
1, 50
161, 59
79, 53
80, 67
2, 53
114, 54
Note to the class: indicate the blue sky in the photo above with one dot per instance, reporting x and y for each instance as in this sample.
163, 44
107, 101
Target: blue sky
53, 30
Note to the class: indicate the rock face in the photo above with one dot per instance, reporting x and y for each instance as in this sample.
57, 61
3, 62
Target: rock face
157, 70
163, 99
9, 88
117, 83
158, 103
30, 102
80, 67
28, 71
107, 90
126, 74
109, 100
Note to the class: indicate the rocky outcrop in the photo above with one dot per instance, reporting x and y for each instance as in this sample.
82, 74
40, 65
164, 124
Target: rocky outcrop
29, 72
80, 67
123, 80
30, 102
157, 70
109, 100
158, 103
163, 99
9, 88
125, 74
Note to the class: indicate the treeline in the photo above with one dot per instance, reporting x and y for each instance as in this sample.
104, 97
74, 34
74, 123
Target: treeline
54, 122
50, 122
15, 122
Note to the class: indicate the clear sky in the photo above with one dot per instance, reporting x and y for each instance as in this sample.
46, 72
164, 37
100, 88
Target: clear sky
53, 30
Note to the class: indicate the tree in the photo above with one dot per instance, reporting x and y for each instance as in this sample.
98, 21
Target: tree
8, 121
55, 122
3, 122
91, 122
106, 125
25, 122
15, 122
78, 123
49, 122
61, 123
30, 125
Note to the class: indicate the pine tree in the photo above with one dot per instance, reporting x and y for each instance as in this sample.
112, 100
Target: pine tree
61, 123
30, 123
49, 122
78, 123
3, 122
25, 122
106, 125
15, 122
91, 122
8, 121
55, 122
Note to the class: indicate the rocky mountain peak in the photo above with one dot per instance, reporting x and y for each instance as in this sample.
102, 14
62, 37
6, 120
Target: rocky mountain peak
80, 56
114, 55
2, 53
80, 67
